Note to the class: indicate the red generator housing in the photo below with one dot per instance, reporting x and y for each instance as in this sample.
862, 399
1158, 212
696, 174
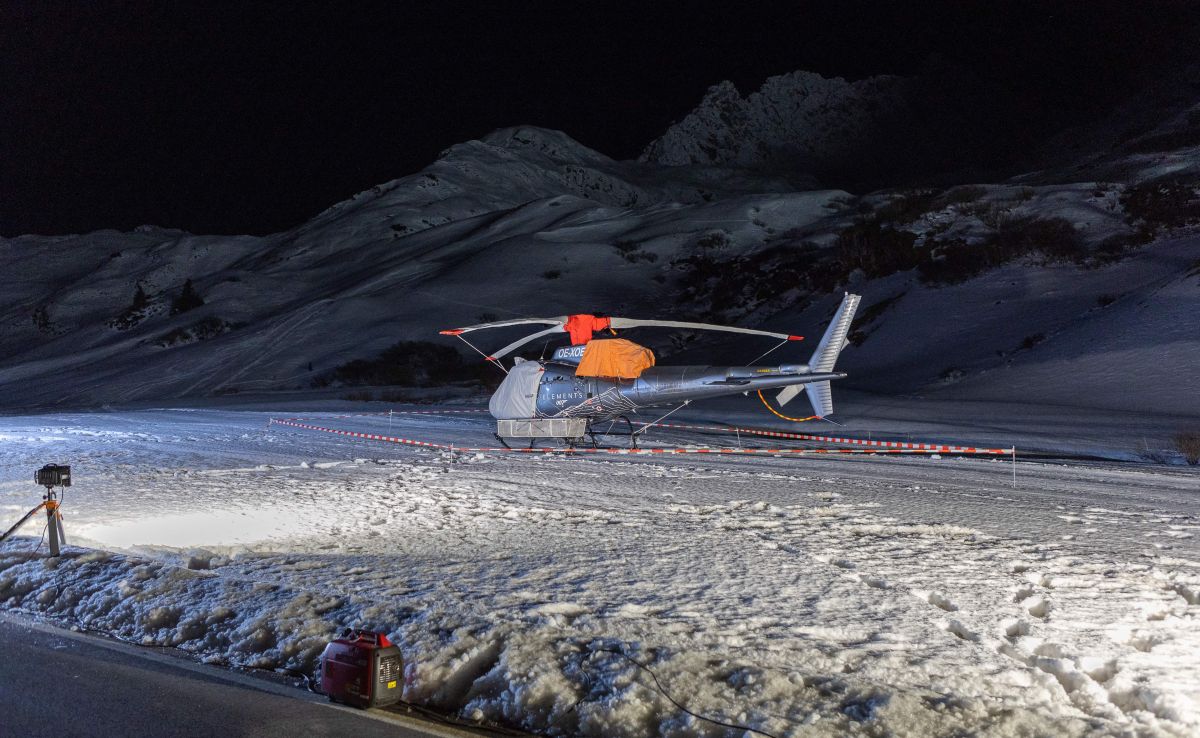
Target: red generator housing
363, 669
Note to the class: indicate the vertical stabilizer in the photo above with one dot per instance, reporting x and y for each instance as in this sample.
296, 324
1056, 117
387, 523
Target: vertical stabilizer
820, 394
824, 358
834, 339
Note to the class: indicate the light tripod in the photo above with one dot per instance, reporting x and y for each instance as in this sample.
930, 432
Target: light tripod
53, 520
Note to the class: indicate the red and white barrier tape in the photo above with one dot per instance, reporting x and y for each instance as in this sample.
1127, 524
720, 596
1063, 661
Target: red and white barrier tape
474, 411
765, 432
934, 447
635, 451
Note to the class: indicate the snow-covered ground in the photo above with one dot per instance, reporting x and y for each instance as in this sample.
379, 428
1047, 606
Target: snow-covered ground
812, 596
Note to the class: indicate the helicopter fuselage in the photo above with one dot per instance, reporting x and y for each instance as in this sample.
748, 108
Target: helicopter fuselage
563, 394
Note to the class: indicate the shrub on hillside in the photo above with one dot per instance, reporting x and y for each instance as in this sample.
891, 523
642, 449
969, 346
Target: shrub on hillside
188, 299
907, 207
1032, 340
1163, 203
1188, 443
41, 319
961, 194
1054, 237
134, 313
955, 261
630, 252
625, 247
714, 240
877, 250
209, 327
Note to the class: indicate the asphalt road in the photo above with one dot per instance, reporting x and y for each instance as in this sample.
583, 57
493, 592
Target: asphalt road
57, 683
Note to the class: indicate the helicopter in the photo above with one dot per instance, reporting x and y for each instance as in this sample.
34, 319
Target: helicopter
597, 380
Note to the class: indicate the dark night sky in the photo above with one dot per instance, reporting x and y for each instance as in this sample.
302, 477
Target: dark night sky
251, 117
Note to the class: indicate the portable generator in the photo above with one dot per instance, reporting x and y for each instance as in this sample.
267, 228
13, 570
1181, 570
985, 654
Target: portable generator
363, 669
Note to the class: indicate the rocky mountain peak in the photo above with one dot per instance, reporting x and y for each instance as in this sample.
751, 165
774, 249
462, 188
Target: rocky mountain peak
800, 120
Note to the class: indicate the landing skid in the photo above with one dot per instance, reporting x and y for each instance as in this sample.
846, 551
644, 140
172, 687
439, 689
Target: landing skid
569, 442
596, 435
579, 432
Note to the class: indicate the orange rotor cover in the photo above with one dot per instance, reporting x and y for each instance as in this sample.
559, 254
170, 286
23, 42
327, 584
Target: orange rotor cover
582, 326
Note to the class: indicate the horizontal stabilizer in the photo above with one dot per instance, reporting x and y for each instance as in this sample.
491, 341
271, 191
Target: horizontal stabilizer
787, 394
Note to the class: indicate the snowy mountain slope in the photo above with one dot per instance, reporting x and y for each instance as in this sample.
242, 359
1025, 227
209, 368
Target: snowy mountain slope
527, 221
1124, 328
429, 251
1142, 355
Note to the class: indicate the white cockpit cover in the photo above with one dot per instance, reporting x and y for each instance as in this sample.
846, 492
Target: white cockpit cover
516, 398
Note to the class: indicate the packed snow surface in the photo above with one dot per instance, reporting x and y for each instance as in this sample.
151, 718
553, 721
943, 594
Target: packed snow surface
812, 596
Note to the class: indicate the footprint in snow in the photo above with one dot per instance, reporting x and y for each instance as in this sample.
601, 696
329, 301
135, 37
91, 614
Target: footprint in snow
1100, 670
958, 628
1014, 628
937, 599
1157, 614
1023, 593
1144, 642
1040, 608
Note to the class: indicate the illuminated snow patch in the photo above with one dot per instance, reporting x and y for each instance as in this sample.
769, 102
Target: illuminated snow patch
216, 528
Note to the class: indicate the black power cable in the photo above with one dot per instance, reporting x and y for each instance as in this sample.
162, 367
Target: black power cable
658, 685
41, 539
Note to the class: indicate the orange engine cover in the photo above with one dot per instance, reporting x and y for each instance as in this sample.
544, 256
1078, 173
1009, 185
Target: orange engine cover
614, 357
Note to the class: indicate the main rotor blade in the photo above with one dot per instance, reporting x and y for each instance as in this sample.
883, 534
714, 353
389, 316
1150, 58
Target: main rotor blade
521, 342
636, 323
502, 323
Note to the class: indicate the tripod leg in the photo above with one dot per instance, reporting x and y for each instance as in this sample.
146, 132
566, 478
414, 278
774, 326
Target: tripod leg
22, 521
52, 525
62, 533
